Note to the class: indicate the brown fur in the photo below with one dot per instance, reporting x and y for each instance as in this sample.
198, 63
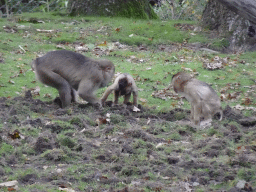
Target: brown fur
124, 85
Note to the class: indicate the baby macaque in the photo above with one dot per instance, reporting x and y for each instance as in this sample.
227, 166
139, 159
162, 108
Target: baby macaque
203, 99
69, 72
124, 85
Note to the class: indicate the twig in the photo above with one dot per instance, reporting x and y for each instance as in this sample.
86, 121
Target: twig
22, 48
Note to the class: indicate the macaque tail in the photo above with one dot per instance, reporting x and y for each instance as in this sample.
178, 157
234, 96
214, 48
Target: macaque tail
33, 65
221, 114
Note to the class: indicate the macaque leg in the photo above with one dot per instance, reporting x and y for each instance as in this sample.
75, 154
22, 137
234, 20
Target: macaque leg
116, 95
192, 112
127, 98
73, 95
86, 92
135, 99
206, 111
56, 81
197, 112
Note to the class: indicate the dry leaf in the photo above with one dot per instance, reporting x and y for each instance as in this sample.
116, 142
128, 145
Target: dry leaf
101, 121
14, 135
135, 109
44, 31
143, 101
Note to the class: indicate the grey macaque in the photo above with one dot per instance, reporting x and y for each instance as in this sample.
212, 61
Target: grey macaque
69, 72
203, 99
124, 85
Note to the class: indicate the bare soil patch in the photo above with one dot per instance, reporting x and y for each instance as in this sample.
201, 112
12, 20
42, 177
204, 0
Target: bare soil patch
53, 149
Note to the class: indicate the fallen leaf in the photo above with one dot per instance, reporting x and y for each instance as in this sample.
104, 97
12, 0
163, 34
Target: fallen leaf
143, 101
160, 144
101, 121
14, 135
47, 95
135, 109
44, 31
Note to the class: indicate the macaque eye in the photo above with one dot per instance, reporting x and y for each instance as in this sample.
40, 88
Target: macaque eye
108, 69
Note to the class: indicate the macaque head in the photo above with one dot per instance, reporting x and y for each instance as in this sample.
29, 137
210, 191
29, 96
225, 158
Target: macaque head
108, 70
124, 86
179, 80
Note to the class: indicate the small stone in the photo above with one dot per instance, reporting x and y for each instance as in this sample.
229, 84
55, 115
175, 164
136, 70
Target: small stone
195, 184
241, 184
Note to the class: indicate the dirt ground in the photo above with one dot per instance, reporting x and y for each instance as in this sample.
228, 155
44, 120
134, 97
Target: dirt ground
82, 148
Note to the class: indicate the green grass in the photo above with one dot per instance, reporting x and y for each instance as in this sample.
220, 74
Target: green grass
154, 73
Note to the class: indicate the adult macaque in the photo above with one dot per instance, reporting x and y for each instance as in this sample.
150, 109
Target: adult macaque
203, 99
124, 85
69, 72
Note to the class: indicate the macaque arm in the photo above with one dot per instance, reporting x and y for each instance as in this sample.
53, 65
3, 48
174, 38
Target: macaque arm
192, 111
116, 95
86, 92
135, 98
107, 92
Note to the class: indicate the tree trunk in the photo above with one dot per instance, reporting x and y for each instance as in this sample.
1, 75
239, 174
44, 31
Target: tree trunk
230, 26
245, 8
140, 9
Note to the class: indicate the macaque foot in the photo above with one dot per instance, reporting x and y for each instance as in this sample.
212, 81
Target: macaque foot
57, 101
108, 104
205, 124
98, 106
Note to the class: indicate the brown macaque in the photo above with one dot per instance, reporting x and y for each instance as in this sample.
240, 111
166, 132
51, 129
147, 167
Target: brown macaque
203, 99
124, 85
69, 72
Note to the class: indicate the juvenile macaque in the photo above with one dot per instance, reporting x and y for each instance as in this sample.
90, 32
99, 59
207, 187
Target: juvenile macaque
203, 99
69, 72
124, 85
